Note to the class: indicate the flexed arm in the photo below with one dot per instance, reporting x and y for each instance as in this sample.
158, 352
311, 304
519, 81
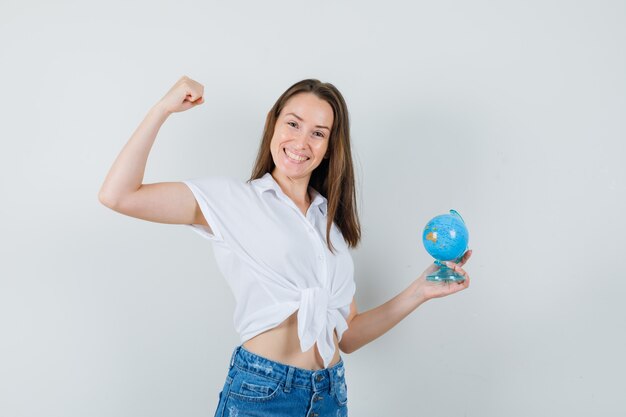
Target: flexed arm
126, 174
162, 202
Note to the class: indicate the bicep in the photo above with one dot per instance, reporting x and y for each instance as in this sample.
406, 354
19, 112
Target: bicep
162, 202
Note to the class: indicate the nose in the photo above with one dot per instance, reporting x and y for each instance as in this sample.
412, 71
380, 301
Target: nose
300, 139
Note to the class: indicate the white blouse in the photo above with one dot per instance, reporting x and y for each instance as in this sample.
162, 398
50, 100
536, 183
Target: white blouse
276, 260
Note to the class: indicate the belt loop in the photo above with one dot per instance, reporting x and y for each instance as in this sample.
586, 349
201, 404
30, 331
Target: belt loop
331, 382
232, 358
289, 378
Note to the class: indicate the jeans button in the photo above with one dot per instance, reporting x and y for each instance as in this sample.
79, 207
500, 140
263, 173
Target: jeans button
319, 377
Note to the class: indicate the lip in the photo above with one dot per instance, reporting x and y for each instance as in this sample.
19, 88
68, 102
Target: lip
297, 153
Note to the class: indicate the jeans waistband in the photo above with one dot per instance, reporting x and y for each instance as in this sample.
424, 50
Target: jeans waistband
318, 380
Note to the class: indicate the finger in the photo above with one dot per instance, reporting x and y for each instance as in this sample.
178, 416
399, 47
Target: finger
466, 257
457, 269
463, 284
465, 281
460, 270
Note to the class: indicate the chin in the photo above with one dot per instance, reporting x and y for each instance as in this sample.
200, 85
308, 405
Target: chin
292, 173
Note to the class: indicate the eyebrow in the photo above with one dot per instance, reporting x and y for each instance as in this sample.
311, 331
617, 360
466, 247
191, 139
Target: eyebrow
300, 118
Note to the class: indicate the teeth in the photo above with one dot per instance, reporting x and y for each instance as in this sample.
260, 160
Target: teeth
294, 156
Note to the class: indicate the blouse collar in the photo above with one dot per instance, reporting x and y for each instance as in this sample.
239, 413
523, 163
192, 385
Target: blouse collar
267, 182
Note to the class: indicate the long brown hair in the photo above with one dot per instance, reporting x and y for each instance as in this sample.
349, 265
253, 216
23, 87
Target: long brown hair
334, 176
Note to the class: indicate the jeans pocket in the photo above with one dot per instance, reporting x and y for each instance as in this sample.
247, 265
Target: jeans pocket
251, 387
341, 391
254, 389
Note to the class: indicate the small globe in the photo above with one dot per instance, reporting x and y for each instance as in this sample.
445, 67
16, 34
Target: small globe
445, 237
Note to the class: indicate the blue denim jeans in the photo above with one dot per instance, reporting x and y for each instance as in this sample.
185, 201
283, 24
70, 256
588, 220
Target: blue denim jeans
257, 386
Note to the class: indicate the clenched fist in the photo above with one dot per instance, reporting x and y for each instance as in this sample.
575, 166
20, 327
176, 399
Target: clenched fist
185, 94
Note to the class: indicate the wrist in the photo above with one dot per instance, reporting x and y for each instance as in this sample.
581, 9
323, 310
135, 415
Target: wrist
416, 293
160, 110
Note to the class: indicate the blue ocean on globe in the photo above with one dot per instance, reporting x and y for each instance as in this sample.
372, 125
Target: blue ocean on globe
445, 237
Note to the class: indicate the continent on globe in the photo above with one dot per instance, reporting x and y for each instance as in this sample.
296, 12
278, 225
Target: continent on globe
445, 238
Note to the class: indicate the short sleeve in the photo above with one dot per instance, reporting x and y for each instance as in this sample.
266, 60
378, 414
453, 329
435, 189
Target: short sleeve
213, 195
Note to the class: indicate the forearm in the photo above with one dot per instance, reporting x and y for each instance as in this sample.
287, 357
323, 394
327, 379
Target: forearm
126, 173
371, 324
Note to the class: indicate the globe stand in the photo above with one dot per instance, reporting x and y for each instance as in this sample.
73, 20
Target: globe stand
445, 274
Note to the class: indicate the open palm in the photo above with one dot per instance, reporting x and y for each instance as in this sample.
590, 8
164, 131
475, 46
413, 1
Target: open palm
436, 289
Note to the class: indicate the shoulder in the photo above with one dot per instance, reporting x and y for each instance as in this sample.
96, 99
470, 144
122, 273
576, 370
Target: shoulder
217, 188
217, 181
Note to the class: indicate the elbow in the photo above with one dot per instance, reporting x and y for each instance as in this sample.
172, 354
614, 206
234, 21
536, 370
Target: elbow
105, 201
109, 200
345, 347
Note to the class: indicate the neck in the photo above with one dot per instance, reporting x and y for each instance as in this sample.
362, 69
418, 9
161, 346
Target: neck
295, 188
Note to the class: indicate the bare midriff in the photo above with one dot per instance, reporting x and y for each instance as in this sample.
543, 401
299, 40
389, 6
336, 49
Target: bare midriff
282, 344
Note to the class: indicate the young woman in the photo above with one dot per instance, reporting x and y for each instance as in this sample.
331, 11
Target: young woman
282, 241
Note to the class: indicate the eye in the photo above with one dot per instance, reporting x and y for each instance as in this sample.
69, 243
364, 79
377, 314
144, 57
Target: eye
292, 124
320, 134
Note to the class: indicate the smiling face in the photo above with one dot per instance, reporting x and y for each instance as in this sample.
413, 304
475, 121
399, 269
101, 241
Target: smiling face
301, 136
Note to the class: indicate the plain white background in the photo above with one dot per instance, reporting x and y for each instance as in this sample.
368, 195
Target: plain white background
512, 113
